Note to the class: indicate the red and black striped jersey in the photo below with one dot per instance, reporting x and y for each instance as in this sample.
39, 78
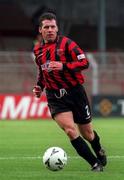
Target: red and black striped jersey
72, 57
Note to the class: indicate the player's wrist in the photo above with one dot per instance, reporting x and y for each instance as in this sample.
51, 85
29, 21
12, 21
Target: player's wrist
37, 91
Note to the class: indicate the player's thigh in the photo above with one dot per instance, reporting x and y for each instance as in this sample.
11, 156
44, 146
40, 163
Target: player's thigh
86, 131
66, 122
64, 119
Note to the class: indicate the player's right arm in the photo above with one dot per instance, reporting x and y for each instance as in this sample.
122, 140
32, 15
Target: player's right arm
38, 88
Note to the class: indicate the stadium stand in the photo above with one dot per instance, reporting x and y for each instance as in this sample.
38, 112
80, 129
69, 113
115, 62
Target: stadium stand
110, 73
18, 72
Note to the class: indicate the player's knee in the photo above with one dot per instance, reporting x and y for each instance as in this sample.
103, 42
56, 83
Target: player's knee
71, 132
89, 136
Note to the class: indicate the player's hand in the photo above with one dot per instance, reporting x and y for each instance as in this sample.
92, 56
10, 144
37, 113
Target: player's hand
55, 65
37, 91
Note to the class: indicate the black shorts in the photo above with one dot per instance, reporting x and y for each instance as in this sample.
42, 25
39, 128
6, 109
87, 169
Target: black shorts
74, 99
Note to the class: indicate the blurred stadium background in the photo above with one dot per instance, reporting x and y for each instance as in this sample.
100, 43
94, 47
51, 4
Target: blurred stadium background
98, 27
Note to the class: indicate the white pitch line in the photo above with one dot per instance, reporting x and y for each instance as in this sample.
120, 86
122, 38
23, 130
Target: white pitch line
24, 157
39, 157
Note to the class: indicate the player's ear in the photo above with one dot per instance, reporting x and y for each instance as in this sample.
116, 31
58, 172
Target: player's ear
40, 30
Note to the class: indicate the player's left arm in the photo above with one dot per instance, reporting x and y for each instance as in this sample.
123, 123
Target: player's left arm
78, 59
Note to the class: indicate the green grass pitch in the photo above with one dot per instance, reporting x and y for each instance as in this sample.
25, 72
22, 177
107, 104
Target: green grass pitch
22, 144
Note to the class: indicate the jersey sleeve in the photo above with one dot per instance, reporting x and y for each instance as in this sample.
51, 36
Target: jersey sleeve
40, 79
78, 60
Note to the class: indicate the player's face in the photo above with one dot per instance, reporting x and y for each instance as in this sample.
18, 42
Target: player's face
49, 30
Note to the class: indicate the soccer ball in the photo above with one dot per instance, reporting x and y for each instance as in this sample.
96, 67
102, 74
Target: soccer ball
55, 158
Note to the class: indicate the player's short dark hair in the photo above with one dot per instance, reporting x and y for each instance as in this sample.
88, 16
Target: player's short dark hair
47, 16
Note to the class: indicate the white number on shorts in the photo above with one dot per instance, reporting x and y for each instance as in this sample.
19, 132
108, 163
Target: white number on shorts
87, 110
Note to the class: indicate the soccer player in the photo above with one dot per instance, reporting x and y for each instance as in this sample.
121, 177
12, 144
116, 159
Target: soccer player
60, 63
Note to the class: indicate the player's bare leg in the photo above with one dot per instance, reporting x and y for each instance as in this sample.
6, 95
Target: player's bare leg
66, 122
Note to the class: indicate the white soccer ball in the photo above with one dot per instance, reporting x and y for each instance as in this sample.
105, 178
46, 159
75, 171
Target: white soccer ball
55, 158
